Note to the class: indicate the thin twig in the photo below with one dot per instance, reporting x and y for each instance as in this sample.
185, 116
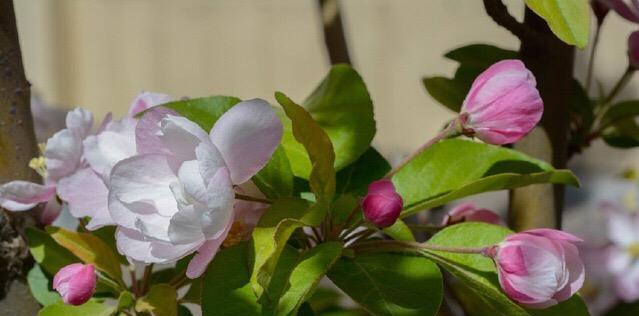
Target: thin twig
334, 36
395, 245
252, 198
499, 13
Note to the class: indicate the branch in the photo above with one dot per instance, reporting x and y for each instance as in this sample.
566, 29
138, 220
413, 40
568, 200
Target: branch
334, 37
499, 13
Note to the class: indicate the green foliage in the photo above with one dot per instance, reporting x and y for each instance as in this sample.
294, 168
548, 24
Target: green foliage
619, 126
342, 107
568, 19
478, 272
355, 178
270, 236
582, 117
47, 252
125, 300
161, 300
390, 284
275, 180
92, 307
473, 59
452, 169
226, 290
40, 286
399, 231
203, 111
304, 278
318, 146
89, 249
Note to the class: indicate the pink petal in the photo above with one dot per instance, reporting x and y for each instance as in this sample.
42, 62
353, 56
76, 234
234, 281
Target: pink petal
554, 234
115, 143
633, 49
22, 195
246, 136
51, 211
135, 246
62, 154
147, 131
146, 100
577, 272
87, 195
79, 122
75, 283
205, 254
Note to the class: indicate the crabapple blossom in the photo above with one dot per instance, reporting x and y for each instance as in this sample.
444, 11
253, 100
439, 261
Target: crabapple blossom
539, 268
86, 190
623, 263
628, 10
176, 196
75, 283
468, 212
503, 104
382, 204
62, 156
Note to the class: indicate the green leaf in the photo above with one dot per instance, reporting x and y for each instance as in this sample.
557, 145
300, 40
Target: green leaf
568, 19
184, 311
342, 107
480, 55
399, 231
275, 180
89, 248
452, 169
306, 275
390, 284
317, 144
623, 134
226, 290
107, 234
47, 252
582, 116
271, 233
449, 92
355, 178
203, 111
125, 300
40, 287
161, 300
478, 272
92, 307
620, 111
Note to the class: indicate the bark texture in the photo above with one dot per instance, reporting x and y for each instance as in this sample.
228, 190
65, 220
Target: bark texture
17, 147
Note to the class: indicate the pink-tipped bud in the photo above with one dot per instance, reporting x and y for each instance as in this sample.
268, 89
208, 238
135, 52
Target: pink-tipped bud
633, 50
540, 267
503, 104
382, 204
75, 283
468, 212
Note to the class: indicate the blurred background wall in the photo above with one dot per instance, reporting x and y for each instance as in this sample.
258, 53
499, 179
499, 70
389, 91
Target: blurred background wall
100, 53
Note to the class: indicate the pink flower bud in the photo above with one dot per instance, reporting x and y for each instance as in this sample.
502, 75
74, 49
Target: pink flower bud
382, 204
503, 104
468, 212
633, 49
75, 283
600, 8
540, 267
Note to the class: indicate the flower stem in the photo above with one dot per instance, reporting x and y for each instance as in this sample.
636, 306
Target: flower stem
621, 83
144, 287
252, 199
448, 132
593, 54
134, 282
394, 245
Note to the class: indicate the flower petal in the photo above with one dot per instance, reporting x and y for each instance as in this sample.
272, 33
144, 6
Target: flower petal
23, 195
246, 136
62, 154
205, 254
146, 100
51, 211
87, 195
115, 143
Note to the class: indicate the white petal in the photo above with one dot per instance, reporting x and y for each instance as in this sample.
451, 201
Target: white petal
133, 244
220, 204
80, 122
62, 154
621, 229
115, 143
140, 187
246, 136
87, 195
181, 136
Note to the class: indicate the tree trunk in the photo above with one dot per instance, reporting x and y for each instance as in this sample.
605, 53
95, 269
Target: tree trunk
551, 61
17, 147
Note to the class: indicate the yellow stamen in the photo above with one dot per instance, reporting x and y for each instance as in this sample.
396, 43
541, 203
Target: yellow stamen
39, 165
633, 250
236, 234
